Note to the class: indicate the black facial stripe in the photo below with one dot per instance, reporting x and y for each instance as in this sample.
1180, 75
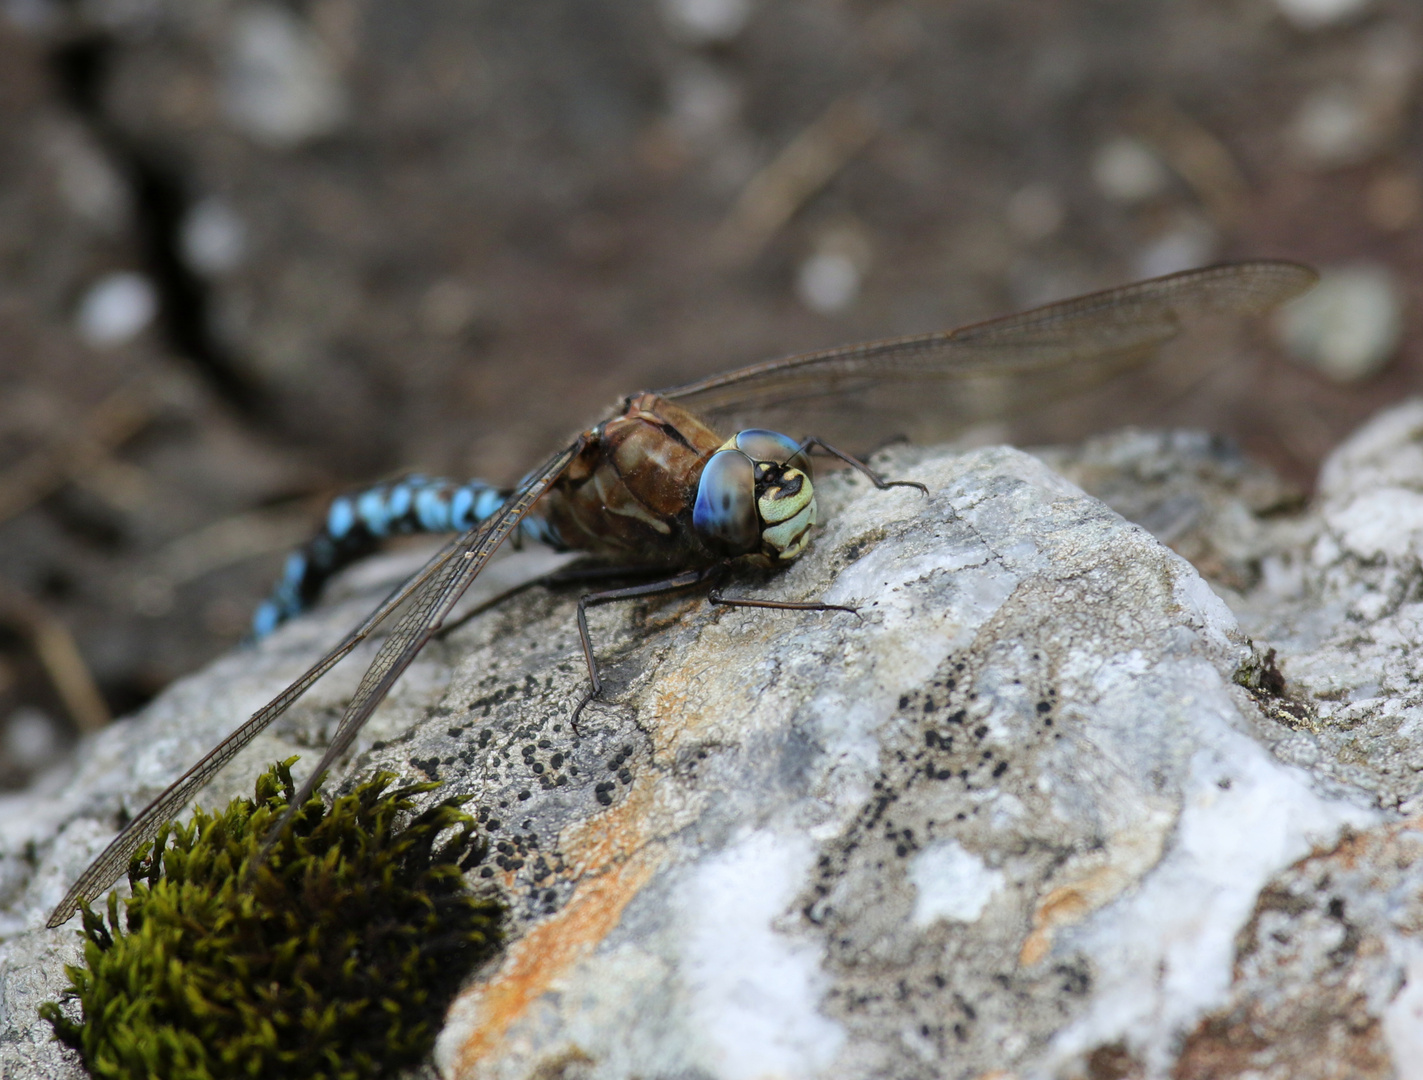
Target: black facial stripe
789, 487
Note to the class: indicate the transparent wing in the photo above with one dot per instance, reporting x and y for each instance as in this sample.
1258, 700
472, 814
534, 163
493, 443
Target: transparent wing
933, 384
425, 616
435, 590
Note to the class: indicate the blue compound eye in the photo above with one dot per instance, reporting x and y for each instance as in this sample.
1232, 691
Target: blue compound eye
761, 445
725, 513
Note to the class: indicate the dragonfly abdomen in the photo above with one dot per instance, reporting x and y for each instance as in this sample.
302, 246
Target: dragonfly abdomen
358, 522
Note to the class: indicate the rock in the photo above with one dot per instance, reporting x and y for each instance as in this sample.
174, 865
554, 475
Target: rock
1349, 325
1042, 806
1126, 170
1326, 972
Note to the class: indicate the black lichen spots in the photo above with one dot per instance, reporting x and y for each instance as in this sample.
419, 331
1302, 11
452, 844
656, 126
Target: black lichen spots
543, 874
621, 756
604, 789
429, 766
1046, 705
538, 762
934, 776
488, 702
337, 962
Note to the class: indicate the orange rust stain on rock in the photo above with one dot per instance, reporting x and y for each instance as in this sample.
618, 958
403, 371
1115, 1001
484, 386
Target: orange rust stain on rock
533, 963
1062, 906
592, 846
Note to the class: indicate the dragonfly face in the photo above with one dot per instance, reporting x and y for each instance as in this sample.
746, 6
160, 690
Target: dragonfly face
755, 497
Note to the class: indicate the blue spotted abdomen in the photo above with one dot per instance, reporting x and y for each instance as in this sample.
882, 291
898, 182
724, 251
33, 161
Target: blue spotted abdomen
357, 523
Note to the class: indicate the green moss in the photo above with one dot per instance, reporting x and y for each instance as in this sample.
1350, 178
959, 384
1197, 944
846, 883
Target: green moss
335, 961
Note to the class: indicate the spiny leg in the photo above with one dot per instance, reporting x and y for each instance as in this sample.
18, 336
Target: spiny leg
855, 463
357, 523
715, 597
685, 580
675, 583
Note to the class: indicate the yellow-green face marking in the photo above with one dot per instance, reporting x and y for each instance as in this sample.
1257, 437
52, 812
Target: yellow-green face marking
756, 497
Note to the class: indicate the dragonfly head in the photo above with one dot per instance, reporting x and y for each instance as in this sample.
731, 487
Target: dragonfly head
755, 497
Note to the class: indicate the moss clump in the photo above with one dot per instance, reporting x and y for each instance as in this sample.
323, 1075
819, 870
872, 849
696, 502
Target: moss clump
335, 961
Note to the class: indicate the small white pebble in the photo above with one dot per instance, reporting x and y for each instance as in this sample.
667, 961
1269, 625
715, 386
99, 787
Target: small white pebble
117, 308
31, 738
1125, 170
706, 22
828, 282
1313, 14
1190, 243
1332, 127
1349, 325
1035, 212
212, 237
280, 87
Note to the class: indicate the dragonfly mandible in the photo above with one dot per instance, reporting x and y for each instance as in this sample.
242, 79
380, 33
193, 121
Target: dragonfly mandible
655, 484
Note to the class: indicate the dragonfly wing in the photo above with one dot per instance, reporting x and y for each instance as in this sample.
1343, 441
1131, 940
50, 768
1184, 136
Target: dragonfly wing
114, 859
944, 381
424, 617
435, 588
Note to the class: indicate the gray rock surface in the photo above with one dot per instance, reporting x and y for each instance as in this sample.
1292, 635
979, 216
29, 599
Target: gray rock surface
1046, 807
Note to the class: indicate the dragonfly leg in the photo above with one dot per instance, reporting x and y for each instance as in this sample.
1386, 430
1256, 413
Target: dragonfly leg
675, 583
715, 597
855, 463
358, 522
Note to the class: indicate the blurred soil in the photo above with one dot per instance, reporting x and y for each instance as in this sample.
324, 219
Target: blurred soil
253, 253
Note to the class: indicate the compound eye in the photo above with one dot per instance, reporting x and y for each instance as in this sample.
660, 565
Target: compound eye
725, 513
762, 445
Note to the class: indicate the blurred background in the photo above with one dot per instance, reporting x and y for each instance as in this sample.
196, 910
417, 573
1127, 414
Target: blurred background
254, 252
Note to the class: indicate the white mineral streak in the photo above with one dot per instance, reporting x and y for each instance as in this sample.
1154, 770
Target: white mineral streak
1014, 813
1403, 1020
1164, 953
951, 883
753, 994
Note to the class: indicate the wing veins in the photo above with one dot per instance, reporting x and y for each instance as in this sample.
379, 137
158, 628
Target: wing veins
437, 586
1127, 321
422, 620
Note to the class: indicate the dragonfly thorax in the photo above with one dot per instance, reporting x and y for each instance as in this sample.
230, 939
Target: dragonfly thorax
755, 497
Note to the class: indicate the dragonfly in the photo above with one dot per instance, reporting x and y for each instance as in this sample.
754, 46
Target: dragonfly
655, 485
